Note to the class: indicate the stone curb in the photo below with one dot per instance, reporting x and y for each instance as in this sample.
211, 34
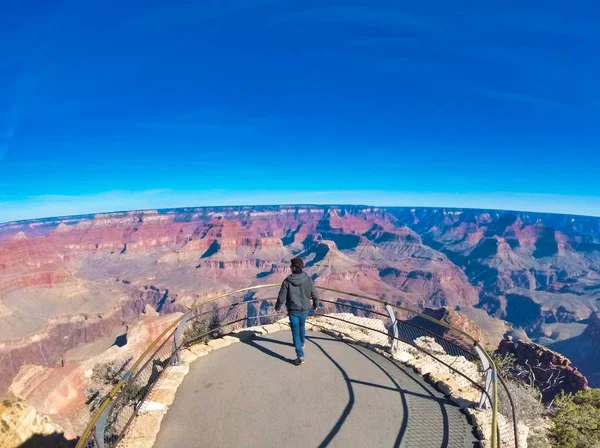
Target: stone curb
146, 425
479, 419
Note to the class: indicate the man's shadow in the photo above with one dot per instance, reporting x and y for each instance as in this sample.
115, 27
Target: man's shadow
255, 343
55, 440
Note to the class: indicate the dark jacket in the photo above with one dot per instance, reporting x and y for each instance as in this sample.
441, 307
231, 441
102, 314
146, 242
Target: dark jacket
297, 291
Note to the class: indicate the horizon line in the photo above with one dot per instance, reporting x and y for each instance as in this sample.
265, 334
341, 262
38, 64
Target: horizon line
326, 205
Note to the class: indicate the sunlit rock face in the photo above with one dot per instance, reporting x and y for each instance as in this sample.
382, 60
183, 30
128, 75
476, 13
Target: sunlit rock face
70, 282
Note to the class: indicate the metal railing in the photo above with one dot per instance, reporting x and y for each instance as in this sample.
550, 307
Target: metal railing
114, 416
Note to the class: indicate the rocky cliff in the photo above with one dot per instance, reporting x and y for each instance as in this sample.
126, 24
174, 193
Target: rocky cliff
69, 282
48, 346
58, 392
552, 372
485, 330
584, 350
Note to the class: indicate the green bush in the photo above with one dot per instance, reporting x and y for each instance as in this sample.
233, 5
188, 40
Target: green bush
202, 329
109, 373
104, 377
577, 422
527, 401
5, 426
134, 393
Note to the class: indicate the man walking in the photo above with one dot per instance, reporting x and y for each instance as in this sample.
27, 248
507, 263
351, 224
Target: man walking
297, 291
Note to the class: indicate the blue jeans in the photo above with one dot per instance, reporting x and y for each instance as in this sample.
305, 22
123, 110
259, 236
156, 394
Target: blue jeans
297, 322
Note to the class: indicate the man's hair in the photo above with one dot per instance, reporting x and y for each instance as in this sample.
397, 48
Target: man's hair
297, 264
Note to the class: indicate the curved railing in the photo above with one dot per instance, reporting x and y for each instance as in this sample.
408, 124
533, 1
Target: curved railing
115, 414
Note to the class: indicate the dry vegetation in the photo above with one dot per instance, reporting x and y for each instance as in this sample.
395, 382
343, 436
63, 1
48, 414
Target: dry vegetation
570, 421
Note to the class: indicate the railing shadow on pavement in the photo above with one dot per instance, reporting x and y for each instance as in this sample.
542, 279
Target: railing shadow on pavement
260, 343
114, 417
446, 429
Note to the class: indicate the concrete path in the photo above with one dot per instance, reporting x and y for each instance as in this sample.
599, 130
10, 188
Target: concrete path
250, 395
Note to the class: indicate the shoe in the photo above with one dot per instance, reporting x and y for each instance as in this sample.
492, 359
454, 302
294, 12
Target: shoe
298, 361
303, 345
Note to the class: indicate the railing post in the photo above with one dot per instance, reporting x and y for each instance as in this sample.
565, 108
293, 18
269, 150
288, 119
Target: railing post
394, 327
101, 426
176, 336
484, 401
97, 428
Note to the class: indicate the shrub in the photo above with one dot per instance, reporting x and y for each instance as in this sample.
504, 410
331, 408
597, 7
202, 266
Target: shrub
109, 373
134, 394
577, 422
104, 377
527, 401
202, 329
529, 410
267, 315
507, 367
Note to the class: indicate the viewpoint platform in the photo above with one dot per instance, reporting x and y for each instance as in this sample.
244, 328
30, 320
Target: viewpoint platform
250, 395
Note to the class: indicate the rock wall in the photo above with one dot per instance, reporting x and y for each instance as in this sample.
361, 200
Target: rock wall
58, 393
546, 365
22, 423
61, 335
584, 350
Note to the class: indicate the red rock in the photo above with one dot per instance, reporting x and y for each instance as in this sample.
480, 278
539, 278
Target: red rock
418, 257
550, 365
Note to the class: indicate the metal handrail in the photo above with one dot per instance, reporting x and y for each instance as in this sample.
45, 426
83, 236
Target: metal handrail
169, 331
316, 314
494, 440
477, 386
179, 348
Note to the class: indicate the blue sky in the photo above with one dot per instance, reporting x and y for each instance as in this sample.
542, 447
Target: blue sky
121, 105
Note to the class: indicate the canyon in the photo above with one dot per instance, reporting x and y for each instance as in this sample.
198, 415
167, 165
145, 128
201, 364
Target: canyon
73, 290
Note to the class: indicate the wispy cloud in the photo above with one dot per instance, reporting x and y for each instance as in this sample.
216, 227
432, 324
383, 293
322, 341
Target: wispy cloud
546, 21
30, 64
51, 206
385, 41
170, 16
434, 17
199, 126
399, 19
24, 90
217, 120
522, 98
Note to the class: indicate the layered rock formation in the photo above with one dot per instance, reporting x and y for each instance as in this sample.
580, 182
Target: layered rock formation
583, 349
489, 338
58, 392
68, 282
60, 334
22, 425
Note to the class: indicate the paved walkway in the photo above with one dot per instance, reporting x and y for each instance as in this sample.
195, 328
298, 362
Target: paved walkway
250, 395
